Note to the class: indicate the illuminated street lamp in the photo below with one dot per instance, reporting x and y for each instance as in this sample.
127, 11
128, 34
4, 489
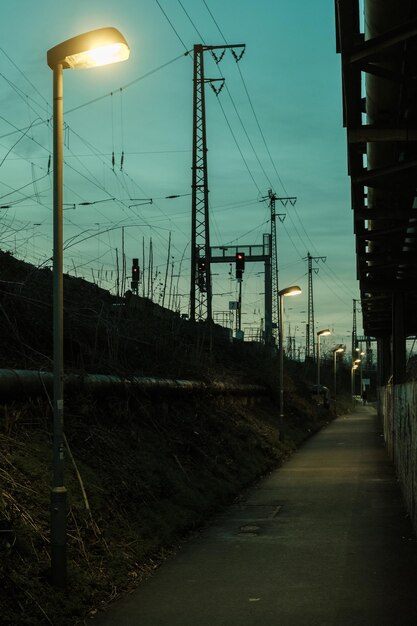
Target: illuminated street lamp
355, 366
337, 350
361, 354
322, 333
288, 291
92, 49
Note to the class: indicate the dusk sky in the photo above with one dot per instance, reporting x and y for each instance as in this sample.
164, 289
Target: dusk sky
276, 124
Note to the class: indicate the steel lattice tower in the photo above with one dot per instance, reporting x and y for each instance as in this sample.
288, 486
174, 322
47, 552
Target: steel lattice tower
201, 291
310, 330
310, 343
274, 252
200, 296
274, 263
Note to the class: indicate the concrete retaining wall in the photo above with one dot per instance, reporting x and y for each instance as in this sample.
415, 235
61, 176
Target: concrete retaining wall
398, 409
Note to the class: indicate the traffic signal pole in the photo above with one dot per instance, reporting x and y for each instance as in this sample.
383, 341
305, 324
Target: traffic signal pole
240, 268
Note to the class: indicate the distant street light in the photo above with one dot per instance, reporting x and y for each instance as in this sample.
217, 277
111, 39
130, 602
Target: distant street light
288, 291
322, 333
92, 49
337, 350
354, 367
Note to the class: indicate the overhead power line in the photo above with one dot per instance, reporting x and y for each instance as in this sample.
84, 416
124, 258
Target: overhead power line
129, 84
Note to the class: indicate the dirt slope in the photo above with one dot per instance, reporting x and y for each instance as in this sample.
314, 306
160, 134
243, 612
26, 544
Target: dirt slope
141, 472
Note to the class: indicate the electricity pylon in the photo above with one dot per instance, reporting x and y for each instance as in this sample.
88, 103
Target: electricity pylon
281, 216
310, 330
201, 292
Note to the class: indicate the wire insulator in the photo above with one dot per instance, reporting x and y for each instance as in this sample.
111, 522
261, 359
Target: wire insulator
218, 58
238, 56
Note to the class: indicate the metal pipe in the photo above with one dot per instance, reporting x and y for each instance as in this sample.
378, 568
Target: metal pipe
27, 383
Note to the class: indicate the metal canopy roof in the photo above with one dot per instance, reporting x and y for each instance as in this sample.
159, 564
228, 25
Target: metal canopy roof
379, 76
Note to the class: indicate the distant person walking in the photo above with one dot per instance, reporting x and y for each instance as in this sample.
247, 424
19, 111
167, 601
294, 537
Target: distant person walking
364, 396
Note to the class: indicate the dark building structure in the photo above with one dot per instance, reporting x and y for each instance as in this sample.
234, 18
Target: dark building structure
379, 73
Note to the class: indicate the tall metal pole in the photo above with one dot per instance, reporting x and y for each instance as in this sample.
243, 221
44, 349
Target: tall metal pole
59, 57
59, 492
310, 328
274, 251
239, 311
200, 238
289, 291
201, 289
268, 289
310, 345
274, 261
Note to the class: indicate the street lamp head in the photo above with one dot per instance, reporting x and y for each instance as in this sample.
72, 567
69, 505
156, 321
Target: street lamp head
290, 291
357, 361
97, 47
339, 348
324, 333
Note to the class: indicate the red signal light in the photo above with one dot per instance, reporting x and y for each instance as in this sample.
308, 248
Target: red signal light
240, 261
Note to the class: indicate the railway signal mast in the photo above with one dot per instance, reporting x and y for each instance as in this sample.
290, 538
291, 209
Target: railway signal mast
200, 291
240, 268
135, 276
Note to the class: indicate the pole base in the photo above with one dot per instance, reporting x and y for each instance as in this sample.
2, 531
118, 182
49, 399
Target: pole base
59, 537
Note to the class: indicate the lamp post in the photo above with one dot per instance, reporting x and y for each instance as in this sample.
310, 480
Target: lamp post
362, 354
322, 333
355, 366
288, 291
92, 49
337, 350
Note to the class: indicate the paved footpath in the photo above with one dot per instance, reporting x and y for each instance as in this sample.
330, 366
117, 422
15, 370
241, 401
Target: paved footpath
323, 541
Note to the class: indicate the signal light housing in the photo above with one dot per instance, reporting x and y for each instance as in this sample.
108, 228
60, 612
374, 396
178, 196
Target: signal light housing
240, 264
135, 273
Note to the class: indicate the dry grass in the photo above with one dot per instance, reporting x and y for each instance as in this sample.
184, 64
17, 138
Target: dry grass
144, 472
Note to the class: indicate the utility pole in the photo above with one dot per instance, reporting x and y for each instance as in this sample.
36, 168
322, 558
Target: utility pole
274, 251
201, 291
310, 329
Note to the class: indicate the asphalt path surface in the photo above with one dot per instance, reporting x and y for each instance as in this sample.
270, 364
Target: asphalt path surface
322, 541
